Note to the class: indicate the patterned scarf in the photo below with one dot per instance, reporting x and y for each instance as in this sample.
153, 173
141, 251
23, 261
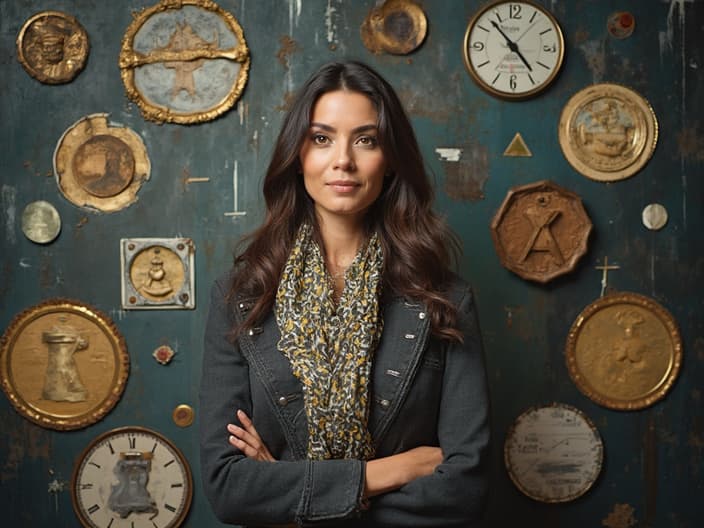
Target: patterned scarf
330, 347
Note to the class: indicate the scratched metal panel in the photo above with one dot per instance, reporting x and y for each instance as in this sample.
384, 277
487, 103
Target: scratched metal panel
653, 457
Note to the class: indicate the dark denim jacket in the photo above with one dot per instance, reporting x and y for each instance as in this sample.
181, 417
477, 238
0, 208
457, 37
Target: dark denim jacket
423, 392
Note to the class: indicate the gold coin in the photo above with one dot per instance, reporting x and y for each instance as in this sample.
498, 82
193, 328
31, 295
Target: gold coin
52, 47
624, 351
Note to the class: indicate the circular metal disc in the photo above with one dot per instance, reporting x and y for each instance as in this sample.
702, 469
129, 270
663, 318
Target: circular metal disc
654, 216
41, 222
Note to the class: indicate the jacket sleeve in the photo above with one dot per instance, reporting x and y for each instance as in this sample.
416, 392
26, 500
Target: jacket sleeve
455, 494
246, 491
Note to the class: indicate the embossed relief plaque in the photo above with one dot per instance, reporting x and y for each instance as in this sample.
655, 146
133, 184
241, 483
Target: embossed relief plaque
157, 273
63, 364
624, 351
100, 165
608, 132
396, 26
184, 62
52, 47
540, 231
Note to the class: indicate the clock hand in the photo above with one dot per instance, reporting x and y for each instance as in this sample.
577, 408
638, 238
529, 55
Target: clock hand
512, 45
526, 31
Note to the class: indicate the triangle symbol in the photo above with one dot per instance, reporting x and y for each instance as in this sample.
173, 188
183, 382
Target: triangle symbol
518, 147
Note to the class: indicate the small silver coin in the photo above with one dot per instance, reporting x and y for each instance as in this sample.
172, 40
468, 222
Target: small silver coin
41, 222
654, 216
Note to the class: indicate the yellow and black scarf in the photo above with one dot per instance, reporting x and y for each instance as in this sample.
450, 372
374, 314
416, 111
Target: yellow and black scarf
330, 347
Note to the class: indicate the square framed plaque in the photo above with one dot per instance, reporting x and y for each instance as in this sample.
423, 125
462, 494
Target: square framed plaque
157, 273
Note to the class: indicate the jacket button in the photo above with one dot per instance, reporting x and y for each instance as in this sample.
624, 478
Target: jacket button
410, 336
283, 401
421, 315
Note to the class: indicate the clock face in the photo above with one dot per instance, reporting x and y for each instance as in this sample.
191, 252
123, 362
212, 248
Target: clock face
513, 50
131, 477
553, 453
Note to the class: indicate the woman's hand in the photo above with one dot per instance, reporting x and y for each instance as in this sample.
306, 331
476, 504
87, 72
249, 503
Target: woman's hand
393, 472
248, 440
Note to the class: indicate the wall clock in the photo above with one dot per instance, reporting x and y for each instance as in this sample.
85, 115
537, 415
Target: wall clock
553, 453
131, 477
513, 50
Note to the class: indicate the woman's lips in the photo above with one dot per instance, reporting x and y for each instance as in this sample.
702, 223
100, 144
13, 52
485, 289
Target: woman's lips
343, 186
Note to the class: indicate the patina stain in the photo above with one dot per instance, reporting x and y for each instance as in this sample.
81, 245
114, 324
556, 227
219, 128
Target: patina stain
288, 47
690, 144
466, 178
21, 440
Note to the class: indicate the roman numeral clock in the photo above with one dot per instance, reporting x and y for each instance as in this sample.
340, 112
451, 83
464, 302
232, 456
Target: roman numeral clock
131, 477
513, 50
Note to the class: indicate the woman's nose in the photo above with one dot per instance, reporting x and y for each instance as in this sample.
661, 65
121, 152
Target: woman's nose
344, 158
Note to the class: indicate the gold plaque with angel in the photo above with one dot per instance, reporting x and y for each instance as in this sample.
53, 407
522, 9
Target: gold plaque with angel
624, 351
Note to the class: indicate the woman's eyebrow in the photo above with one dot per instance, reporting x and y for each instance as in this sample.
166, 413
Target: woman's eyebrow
361, 128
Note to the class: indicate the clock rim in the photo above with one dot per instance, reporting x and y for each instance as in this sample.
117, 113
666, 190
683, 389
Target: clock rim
126, 429
509, 96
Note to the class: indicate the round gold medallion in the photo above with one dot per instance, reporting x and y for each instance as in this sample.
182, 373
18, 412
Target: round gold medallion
184, 62
100, 165
63, 364
624, 351
608, 132
397, 27
52, 47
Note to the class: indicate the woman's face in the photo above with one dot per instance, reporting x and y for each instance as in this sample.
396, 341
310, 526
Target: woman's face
343, 165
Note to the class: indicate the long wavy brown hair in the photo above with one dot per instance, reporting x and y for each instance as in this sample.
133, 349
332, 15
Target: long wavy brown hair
419, 249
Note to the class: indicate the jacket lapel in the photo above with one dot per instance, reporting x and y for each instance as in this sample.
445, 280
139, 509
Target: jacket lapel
406, 330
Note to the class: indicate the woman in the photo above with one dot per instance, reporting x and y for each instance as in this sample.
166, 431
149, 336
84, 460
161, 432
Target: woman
343, 380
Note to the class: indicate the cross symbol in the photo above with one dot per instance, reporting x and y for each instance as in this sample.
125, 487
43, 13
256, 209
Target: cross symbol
605, 272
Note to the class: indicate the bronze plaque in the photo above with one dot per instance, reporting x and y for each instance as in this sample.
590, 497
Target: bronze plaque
63, 364
396, 26
540, 231
157, 273
52, 47
624, 351
100, 165
184, 62
608, 132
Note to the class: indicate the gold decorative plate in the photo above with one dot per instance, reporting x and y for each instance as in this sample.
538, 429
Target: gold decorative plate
100, 165
608, 132
184, 62
397, 27
540, 231
52, 47
63, 364
624, 351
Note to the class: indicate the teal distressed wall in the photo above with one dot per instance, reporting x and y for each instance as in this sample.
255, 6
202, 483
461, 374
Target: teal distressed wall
653, 457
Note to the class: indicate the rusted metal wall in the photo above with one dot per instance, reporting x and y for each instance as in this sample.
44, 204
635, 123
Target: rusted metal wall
653, 457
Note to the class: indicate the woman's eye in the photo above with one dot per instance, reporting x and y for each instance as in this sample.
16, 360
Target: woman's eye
320, 139
367, 141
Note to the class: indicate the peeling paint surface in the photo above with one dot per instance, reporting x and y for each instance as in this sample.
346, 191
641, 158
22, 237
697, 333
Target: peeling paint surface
8, 197
466, 170
653, 473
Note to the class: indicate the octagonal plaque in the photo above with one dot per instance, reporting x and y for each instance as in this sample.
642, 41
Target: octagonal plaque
540, 231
